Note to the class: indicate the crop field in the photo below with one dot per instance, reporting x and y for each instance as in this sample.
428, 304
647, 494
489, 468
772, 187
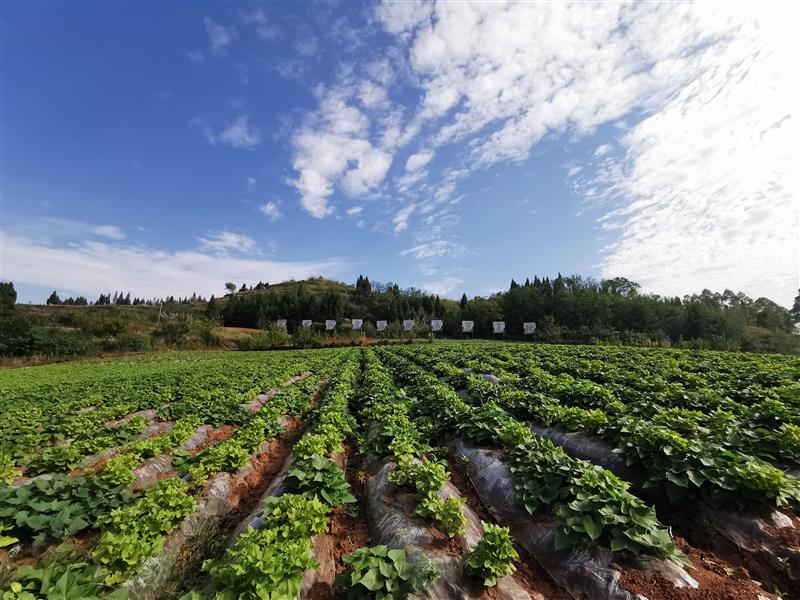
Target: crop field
454, 470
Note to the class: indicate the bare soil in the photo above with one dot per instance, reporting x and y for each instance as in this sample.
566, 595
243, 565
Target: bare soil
718, 580
529, 574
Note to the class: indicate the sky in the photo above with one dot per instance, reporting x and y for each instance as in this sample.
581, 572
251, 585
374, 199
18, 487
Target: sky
167, 148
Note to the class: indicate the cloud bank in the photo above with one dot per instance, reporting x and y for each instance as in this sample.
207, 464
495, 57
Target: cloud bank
91, 266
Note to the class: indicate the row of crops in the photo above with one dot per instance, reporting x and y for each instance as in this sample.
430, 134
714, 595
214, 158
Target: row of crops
448, 470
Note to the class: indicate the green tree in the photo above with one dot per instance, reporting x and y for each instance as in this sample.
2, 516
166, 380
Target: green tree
231, 287
54, 299
8, 297
795, 312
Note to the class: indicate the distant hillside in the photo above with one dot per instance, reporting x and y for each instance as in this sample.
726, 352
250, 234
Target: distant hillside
314, 286
570, 309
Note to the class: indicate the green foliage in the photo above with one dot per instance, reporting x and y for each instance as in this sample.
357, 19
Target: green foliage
135, 532
294, 516
319, 444
591, 504
215, 406
264, 340
448, 513
8, 470
320, 477
58, 581
57, 508
492, 559
120, 468
90, 438
269, 563
6, 540
425, 475
262, 565
382, 574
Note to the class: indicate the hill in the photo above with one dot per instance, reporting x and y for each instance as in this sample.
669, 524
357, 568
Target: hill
571, 309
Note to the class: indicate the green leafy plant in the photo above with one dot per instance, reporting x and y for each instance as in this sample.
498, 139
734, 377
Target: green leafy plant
262, 564
320, 477
57, 581
492, 559
447, 513
135, 532
380, 573
58, 507
295, 516
269, 563
6, 540
8, 470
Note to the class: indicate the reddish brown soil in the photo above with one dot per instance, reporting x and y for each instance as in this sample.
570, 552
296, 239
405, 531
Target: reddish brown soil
447, 546
319, 591
219, 434
529, 574
348, 525
717, 579
246, 491
786, 536
722, 549
349, 533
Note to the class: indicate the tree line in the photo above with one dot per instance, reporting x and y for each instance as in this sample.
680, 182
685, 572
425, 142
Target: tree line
572, 308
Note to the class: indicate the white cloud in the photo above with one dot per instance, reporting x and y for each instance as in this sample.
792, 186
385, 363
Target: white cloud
401, 218
219, 36
419, 160
401, 17
602, 150
271, 210
196, 56
709, 191
355, 210
495, 79
251, 184
227, 242
93, 267
443, 286
435, 249
333, 149
307, 46
713, 198
259, 19
53, 228
238, 134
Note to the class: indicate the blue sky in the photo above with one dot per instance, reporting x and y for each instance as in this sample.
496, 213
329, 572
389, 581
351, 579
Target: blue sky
165, 148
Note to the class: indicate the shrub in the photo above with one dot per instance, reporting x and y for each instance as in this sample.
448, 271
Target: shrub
264, 340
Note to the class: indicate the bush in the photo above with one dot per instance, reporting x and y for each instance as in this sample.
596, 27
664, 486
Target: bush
174, 329
16, 336
264, 340
134, 342
305, 336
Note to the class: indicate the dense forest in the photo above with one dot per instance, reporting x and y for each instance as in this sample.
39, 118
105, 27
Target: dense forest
573, 308
566, 309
